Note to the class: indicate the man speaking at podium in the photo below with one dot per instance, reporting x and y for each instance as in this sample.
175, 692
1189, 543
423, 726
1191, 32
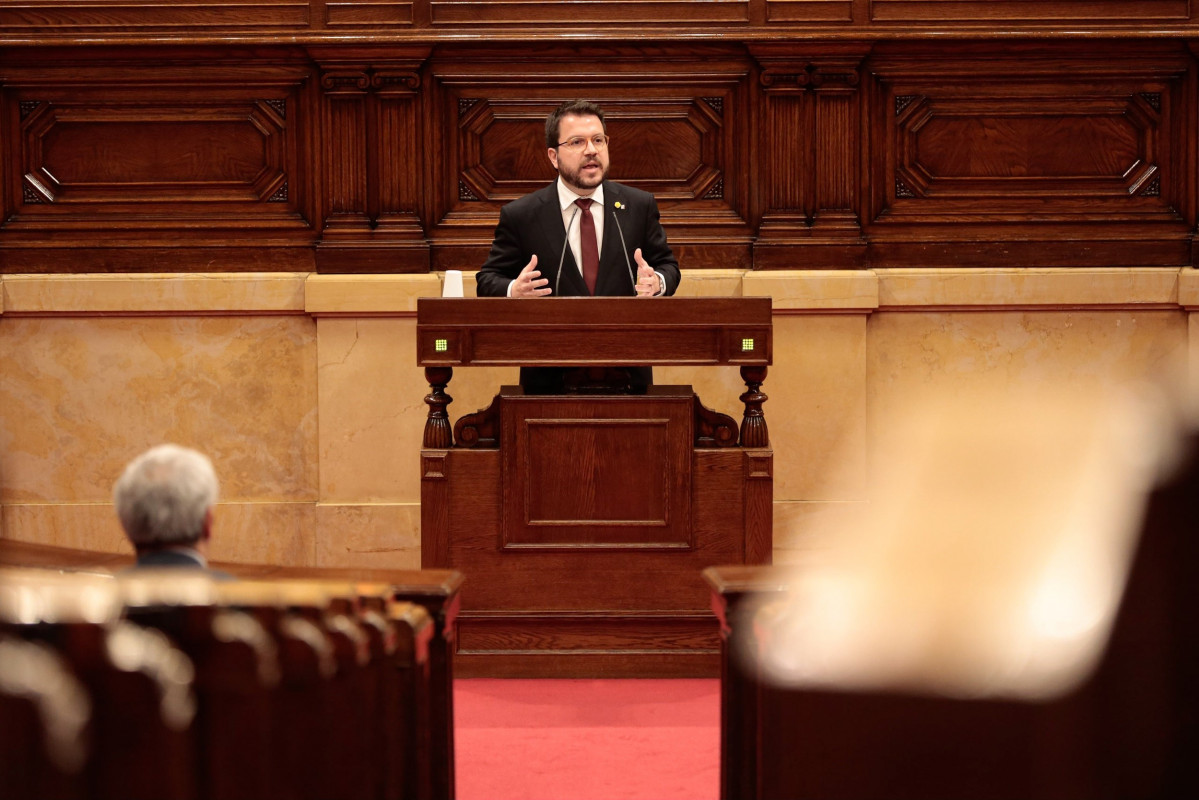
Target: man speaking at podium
581, 236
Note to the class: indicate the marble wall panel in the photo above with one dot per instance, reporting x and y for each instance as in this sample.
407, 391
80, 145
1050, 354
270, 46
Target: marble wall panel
371, 398
373, 411
1188, 297
264, 533
375, 536
804, 530
82, 526
920, 356
249, 533
1193, 361
314, 420
84, 395
81, 396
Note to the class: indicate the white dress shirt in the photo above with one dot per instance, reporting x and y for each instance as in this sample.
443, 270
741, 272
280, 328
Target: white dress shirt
566, 200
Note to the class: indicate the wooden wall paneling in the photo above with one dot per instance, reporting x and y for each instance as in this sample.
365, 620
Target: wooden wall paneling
10, 157
830, 11
1002, 12
678, 118
372, 163
375, 15
810, 145
214, 21
435, 509
154, 161
1185, 133
759, 506
625, 12
1029, 155
149, 17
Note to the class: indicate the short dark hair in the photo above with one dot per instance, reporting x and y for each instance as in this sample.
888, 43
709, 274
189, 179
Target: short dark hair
580, 108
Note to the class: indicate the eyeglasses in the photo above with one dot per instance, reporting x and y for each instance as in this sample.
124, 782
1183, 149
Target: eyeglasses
576, 143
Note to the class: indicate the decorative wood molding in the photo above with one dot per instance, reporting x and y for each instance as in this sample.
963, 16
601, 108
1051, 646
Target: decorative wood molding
217, 22
771, 152
141, 155
675, 123
490, 13
371, 127
1031, 157
1000, 12
713, 429
813, 193
480, 429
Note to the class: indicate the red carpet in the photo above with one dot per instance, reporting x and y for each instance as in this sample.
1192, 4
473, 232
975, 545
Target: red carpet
587, 739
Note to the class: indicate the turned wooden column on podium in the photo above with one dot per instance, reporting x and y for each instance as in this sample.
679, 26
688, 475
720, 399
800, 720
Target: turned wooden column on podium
583, 520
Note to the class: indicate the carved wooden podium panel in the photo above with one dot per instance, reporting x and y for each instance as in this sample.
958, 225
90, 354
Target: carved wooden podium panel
583, 520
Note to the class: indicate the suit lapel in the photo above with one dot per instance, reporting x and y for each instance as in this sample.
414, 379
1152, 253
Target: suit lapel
613, 268
550, 220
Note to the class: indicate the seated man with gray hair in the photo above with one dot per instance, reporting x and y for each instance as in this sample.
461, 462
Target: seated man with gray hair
164, 500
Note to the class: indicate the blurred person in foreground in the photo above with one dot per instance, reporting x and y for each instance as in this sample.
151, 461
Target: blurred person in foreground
165, 499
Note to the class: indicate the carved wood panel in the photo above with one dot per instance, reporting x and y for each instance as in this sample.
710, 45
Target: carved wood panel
999, 11
380, 16
102, 155
113, 21
676, 120
124, 16
809, 10
811, 148
997, 151
775, 153
370, 133
1035, 145
625, 12
93, 153
597, 474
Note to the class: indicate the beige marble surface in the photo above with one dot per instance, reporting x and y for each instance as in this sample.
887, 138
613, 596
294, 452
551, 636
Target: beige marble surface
258, 533
154, 293
304, 388
1188, 289
812, 291
1193, 363
82, 396
369, 295
264, 532
803, 529
916, 356
374, 536
1007, 288
84, 526
372, 410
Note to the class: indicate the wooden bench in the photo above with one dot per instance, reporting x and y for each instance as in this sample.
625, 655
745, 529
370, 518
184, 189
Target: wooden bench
388, 641
140, 740
1131, 728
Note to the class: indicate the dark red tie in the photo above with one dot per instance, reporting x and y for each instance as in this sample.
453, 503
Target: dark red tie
588, 244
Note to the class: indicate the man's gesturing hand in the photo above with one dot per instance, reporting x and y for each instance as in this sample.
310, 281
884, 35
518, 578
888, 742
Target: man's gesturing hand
648, 283
529, 282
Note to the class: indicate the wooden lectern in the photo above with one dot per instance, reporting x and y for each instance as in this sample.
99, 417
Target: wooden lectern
582, 520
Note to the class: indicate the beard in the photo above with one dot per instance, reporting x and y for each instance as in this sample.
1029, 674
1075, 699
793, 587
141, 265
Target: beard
577, 179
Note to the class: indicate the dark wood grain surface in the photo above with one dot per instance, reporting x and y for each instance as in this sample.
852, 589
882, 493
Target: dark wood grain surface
345, 137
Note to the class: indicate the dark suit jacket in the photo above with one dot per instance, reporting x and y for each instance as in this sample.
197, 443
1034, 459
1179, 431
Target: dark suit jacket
175, 559
533, 225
